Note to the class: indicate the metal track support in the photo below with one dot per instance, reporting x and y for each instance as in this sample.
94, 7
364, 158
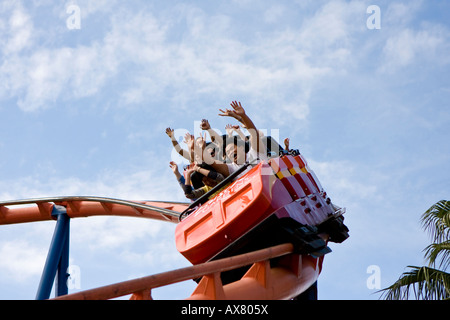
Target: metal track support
57, 261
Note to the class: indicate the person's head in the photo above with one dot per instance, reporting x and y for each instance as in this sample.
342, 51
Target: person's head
236, 150
211, 149
209, 182
196, 178
205, 179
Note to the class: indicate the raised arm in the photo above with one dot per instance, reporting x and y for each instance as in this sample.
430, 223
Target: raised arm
182, 152
230, 128
190, 169
239, 114
190, 142
286, 144
215, 137
174, 168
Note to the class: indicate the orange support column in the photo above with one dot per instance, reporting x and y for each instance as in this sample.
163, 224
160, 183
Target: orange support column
209, 288
142, 295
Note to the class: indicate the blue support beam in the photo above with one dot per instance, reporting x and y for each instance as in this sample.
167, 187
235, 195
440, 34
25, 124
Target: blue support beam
62, 274
57, 261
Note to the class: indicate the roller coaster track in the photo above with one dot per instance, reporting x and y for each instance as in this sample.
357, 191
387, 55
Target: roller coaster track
82, 206
287, 277
261, 281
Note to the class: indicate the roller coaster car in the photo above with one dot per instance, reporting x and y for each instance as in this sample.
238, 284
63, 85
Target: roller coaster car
275, 202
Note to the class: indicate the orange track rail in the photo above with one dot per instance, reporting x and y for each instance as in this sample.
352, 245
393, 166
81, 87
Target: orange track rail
41, 209
292, 275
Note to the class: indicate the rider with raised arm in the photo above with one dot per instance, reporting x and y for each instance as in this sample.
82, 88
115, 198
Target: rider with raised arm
236, 149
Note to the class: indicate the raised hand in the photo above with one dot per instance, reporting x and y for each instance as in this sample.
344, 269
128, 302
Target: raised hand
237, 112
189, 140
238, 109
201, 142
231, 113
227, 113
204, 125
169, 132
229, 128
286, 143
190, 168
173, 166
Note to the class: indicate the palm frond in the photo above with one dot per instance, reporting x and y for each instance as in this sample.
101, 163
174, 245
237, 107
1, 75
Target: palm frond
423, 282
436, 221
438, 251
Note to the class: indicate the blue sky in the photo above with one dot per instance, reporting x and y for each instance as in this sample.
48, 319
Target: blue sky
84, 111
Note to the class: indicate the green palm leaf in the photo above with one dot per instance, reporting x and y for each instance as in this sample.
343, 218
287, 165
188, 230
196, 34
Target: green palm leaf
437, 221
436, 251
424, 282
428, 283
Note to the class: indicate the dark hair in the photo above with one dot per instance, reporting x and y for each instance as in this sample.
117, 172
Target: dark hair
206, 166
196, 180
197, 177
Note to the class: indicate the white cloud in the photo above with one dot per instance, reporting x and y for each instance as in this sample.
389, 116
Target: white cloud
281, 66
408, 46
47, 76
38, 77
410, 41
108, 233
139, 185
398, 14
21, 260
20, 30
332, 26
347, 183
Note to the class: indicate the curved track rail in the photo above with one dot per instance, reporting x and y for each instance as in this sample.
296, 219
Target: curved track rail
85, 206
